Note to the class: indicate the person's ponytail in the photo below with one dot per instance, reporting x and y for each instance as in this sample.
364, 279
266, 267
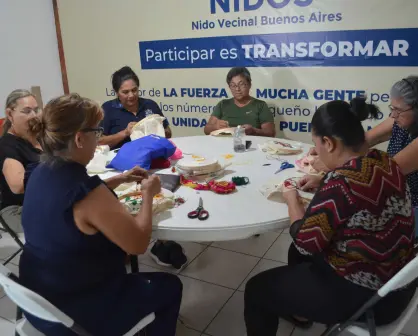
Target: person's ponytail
362, 110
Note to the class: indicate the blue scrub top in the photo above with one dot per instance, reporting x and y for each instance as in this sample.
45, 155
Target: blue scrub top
116, 117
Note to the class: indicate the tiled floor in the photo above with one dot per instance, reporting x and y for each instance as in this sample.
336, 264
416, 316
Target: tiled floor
214, 282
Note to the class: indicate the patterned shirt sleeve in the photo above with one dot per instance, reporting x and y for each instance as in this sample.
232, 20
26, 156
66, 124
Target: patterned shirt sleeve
330, 208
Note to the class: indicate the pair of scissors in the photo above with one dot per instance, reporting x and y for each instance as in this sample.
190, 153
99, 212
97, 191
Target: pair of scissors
200, 213
284, 165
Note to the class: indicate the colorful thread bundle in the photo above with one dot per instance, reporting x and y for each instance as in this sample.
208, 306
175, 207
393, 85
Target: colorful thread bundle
222, 187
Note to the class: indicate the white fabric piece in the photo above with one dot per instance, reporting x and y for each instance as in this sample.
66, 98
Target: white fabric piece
152, 124
224, 132
276, 147
274, 192
161, 202
98, 164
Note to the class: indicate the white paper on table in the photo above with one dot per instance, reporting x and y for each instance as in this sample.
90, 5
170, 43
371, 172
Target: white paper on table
152, 124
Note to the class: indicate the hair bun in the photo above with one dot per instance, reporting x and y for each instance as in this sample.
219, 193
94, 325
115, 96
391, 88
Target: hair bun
126, 70
362, 110
36, 126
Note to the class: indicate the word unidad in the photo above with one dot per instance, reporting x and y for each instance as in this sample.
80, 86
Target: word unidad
247, 5
316, 17
188, 122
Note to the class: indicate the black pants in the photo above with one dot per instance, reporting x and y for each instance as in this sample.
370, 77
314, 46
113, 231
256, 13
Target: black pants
305, 289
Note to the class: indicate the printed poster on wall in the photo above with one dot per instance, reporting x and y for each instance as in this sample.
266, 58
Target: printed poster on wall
301, 53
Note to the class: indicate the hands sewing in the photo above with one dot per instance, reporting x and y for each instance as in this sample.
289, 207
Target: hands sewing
221, 124
292, 199
306, 183
135, 174
249, 130
129, 128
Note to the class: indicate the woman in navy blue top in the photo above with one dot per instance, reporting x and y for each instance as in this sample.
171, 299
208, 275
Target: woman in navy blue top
77, 233
120, 115
401, 130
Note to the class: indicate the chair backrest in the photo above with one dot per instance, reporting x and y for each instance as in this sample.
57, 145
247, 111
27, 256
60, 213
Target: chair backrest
31, 302
1, 125
404, 277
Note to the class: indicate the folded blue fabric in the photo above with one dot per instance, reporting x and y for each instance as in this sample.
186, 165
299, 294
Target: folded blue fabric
141, 152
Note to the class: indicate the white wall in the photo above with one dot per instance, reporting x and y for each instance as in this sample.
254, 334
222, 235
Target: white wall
28, 48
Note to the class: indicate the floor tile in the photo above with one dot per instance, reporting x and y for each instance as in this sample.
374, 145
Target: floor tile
13, 268
7, 246
192, 250
255, 246
184, 331
280, 248
146, 268
411, 327
204, 243
221, 267
6, 327
7, 309
230, 321
263, 265
201, 302
316, 330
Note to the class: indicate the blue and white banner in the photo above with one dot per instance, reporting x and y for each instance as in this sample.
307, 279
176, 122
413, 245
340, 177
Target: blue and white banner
301, 53
348, 48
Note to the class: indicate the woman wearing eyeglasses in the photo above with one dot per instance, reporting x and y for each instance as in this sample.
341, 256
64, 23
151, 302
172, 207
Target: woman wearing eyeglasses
401, 130
18, 149
78, 233
251, 113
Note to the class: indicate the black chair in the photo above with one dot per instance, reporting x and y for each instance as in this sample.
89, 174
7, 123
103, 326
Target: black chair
6, 228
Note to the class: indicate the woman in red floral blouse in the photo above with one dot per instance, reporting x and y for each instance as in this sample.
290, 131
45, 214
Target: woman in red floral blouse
355, 235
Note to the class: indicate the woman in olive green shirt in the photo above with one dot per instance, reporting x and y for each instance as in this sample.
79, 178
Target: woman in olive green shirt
251, 113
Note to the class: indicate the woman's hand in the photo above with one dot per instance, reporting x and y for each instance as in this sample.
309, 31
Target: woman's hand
221, 124
151, 185
249, 130
290, 196
309, 182
128, 130
136, 174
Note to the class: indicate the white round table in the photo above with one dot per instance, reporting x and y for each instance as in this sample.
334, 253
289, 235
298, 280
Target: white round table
235, 216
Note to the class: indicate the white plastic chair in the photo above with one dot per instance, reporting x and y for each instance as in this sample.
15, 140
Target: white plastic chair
404, 277
37, 306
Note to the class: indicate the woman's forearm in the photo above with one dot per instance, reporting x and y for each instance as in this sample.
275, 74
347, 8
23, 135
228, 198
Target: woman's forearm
144, 218
114, 182
296, 210
113, 140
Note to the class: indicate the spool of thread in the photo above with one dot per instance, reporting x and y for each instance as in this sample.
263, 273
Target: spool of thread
240, 181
